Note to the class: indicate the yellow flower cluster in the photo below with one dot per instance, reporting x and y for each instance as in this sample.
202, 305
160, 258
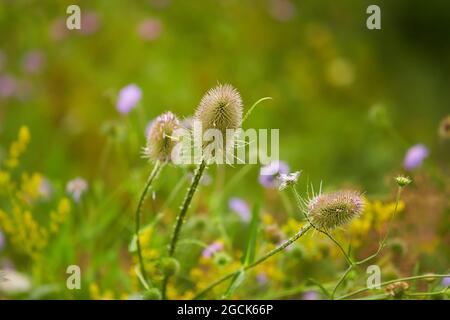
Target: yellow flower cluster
25, 233
374, 217
18, 147
96, 294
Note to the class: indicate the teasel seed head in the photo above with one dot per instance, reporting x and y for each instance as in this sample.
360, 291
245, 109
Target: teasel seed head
329, 211
160, 141
220, 108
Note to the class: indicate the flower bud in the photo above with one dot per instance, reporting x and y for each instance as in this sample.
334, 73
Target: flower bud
152, 294
170, 266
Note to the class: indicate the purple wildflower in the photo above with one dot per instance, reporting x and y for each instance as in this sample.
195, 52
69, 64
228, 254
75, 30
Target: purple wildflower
150, 29
33, 61
415, 156
89, 23
128, 97
212, 248
76, 188
261, 278
270, 172
8, 86
446, 281
241, 208
310, 295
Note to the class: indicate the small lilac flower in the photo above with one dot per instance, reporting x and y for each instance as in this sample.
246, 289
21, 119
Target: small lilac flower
261, 278
150, 29
270, 172
58, 30
212, 248
8, 86
128, 97
45, 188
89, 23
288, 179
33, 61
310, 295
76, 188
2, 241
446, 281
282, 10
415, 156
241, 208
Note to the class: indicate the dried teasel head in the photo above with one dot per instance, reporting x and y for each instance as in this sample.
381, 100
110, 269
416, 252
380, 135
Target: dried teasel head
160, 141
444, 128
220, 108
332, 210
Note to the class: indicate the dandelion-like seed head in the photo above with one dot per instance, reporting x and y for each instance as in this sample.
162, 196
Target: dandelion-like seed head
220, 108
160, 141
329, 211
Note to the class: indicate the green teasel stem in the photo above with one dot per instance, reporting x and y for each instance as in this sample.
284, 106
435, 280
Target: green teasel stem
181, 216
281, 247
156, 169
185, 206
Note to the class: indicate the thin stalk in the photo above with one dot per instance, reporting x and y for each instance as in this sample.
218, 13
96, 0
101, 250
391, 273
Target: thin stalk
156, 169
181, 216
185, 206
281, 247
426, 276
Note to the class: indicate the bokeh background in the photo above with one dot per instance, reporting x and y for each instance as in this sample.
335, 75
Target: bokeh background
349, 103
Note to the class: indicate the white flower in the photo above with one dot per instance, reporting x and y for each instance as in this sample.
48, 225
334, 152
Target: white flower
288, 179
76, 188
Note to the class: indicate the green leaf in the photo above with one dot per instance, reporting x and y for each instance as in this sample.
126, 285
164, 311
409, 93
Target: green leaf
234, 284
249, 256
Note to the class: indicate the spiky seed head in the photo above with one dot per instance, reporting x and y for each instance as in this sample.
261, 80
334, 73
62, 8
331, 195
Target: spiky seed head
329, 211
160, 141
220, 108
152, 294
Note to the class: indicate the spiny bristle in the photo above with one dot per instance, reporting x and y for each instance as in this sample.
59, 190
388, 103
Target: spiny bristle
329, 211
220, 108
160, 138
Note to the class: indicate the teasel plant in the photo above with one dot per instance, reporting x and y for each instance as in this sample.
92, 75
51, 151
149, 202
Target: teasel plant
323, 212
159, 146
221, 109
330, 211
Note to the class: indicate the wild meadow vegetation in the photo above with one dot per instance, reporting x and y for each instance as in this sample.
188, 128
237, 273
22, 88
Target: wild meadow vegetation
93, 204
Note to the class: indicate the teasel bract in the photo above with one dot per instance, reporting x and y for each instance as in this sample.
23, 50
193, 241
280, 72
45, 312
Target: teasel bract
332, 210
160, 144
160, 140
220, 108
